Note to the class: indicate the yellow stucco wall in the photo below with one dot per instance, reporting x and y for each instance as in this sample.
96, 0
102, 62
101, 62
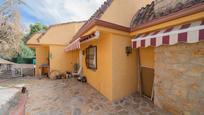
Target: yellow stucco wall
147, 57
60, 34
61, 60
101, 79
54, 40
116, 74
42, 53
124, 67
121, 11
73, 58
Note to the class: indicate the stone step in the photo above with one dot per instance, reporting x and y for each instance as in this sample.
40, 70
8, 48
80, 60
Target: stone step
8, 99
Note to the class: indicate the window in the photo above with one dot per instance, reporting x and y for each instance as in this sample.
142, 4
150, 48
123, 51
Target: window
91, 57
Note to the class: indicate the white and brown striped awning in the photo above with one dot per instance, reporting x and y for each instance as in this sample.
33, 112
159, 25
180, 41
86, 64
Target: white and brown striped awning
73, 46
92, 36
187, 33
76, 44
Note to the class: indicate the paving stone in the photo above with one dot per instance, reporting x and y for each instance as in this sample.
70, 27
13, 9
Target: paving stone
154, 113
124, 112
118, 108
145, 110
101, 105
136, 100
144, 103
70, 97
96, 108
135, 106
126, 104
77, 111
36, 109
110, 114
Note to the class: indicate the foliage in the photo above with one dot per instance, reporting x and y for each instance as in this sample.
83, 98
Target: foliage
12, 40
25, 51
10, 30
35, 28
20, 60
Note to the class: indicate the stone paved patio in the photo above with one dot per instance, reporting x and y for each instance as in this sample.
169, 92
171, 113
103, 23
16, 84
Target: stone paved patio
70, 97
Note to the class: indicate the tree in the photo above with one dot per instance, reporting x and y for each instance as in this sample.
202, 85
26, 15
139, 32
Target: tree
35, 28
12, 40
25, 51
10, 30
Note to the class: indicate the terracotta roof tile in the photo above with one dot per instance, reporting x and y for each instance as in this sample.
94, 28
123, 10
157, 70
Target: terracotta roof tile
143, 15
147, 13
101, 10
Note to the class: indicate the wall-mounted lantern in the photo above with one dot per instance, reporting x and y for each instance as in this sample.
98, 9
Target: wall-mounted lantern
50, 56
83, 52
128, 50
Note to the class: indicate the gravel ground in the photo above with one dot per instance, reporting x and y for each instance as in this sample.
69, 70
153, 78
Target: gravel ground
70, 97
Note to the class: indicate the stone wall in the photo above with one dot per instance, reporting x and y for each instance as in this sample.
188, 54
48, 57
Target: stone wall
179, 78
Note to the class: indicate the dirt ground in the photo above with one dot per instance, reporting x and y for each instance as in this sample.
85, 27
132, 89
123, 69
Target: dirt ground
70, 97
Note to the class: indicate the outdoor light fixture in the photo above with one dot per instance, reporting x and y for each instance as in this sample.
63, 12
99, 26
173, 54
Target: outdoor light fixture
128, 50
50, 56
83, 52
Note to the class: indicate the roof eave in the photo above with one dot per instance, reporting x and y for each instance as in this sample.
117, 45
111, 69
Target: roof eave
97, 22
28, 42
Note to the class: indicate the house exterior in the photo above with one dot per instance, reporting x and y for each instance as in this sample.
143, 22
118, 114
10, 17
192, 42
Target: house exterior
103, 40
153, 47
169, 36
49, 47
166, 62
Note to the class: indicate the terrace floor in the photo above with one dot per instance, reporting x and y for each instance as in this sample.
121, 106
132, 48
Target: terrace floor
70, 97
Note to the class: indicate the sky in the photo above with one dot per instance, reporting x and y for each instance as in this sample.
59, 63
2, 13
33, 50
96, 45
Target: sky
51, 12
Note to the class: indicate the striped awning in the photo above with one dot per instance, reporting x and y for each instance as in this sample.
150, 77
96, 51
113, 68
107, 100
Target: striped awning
76, 44
73, 46
92, 36
187, 33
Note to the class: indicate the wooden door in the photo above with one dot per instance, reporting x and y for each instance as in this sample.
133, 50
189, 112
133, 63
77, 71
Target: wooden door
147, 79
147, 71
